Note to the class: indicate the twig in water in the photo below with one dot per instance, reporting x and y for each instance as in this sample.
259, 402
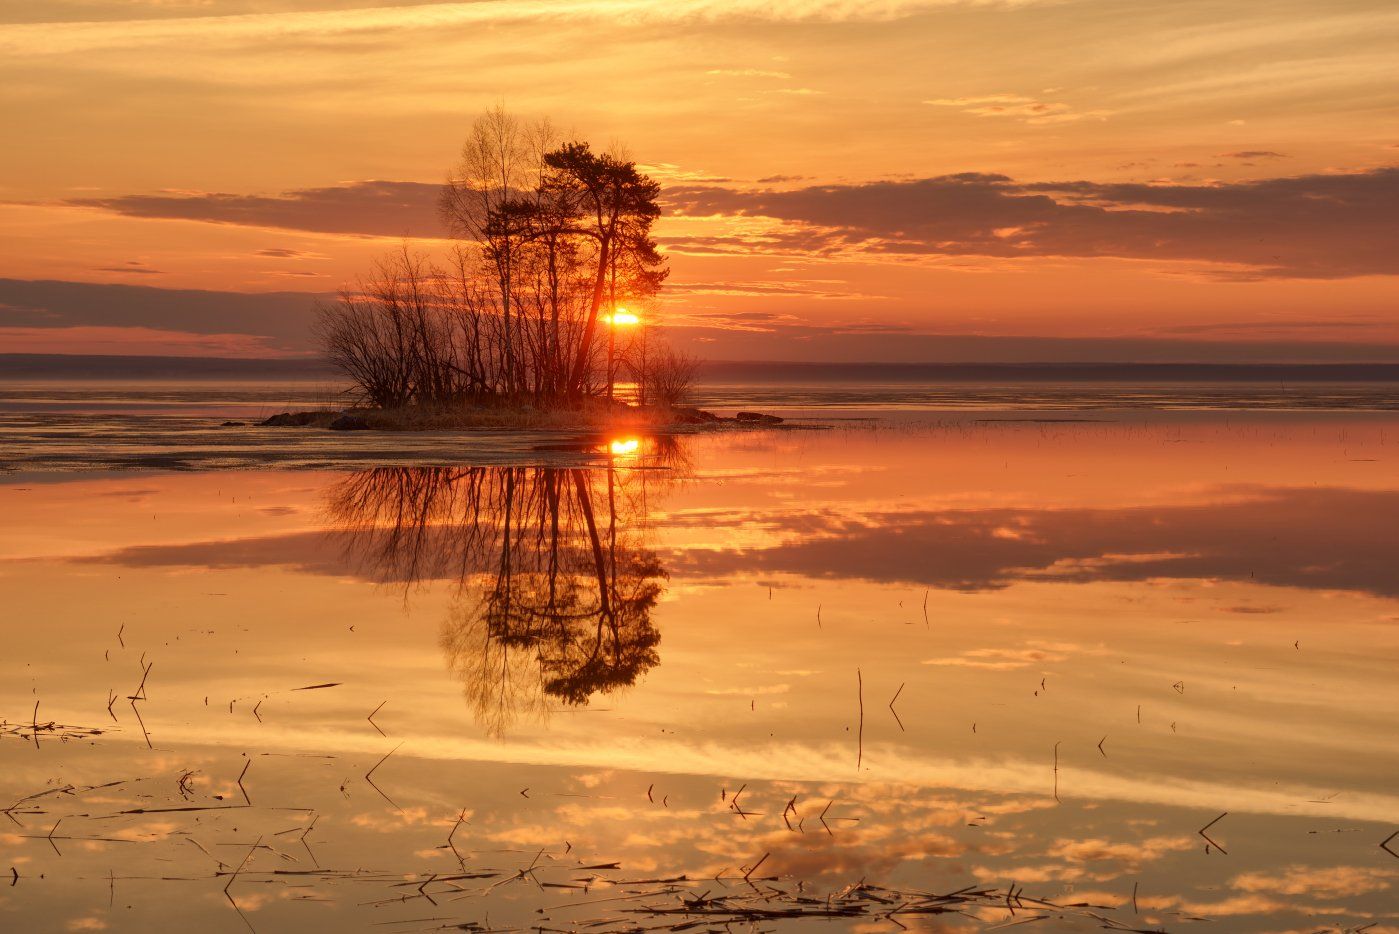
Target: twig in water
370, 718
461, 819
234, 877
860, 687
1209, 840
792, 808
139, 719
736, 807
1385, 844
1056, 771
755, 866
310, 827
51, 833
246, 765
140, 692
368, 776
897, 718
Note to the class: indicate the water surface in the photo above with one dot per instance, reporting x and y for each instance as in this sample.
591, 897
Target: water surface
1010, 653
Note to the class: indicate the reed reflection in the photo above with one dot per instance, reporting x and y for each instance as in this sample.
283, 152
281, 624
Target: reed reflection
555, 584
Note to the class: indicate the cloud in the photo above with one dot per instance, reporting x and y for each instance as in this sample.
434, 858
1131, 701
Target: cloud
793, 241
1310, 226
163, 342
1252, 154
747, 73
758, 289
136, 268
369, 208
324, 26
269, 319
283, 253
1029, 109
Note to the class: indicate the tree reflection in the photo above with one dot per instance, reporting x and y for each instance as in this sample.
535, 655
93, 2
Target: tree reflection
555, 588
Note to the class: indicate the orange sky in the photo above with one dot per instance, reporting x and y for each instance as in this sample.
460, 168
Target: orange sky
843, 177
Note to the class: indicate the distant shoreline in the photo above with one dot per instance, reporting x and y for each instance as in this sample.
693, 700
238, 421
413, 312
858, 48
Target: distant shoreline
17, 367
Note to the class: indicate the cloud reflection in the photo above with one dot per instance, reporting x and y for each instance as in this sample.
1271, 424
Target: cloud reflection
1320, 539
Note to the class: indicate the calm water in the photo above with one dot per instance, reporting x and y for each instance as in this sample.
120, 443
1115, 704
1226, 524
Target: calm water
1024, 656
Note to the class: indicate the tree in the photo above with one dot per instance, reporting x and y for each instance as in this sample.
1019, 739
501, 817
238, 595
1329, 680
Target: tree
549, 235
616, 205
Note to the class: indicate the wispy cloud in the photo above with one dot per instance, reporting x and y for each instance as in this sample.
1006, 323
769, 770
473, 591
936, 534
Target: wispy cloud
66, 38
767, 288
372, 208
747, 73
133, 267
1030, 110
285, 253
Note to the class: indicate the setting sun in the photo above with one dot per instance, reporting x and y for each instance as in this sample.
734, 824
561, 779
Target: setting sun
622, 318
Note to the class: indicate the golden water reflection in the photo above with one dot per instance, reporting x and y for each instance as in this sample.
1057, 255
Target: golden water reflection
990, 655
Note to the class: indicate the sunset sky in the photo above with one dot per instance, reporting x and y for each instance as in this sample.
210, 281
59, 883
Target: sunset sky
901, 180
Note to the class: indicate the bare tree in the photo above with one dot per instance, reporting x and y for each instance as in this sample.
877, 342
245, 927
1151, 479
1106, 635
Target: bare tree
489, 176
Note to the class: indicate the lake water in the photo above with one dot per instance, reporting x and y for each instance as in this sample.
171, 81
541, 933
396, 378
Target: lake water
1078, 658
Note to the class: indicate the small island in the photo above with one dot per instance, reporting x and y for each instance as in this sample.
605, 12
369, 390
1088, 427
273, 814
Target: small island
544, 314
